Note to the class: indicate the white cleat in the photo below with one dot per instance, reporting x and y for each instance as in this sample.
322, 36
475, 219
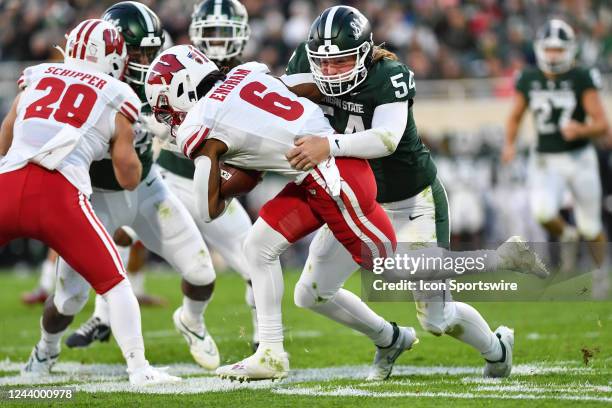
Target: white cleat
40, 362
263, 365
385, 358
201, 345
148, 375
502, 368
515, 255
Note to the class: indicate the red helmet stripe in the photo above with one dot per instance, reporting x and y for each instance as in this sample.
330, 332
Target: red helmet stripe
86, 38
84, 24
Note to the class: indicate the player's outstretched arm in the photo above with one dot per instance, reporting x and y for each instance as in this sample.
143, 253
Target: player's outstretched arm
6, 131
126, 164
512, 125
207, 180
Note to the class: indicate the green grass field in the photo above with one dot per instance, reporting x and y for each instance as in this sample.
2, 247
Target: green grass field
328, 362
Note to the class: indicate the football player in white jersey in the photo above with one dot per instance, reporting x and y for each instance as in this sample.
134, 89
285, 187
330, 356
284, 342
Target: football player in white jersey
250, 119
67, 116
220, 29
161, 221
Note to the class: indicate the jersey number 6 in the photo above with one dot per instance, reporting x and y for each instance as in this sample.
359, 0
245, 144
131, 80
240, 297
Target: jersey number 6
75, 105
272, 102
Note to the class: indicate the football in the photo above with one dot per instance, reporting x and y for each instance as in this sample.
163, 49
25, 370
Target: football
236, 182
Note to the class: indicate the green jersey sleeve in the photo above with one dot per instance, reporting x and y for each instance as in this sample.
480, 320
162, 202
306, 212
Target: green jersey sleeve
521, 83
298, 63
587, 79
395, 82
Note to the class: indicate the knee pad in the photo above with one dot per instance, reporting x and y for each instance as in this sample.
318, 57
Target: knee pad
304, 296
70, 304
263, 245
199, 271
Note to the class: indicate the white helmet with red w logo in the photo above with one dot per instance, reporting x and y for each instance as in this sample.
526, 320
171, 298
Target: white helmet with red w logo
172, 82
98, 45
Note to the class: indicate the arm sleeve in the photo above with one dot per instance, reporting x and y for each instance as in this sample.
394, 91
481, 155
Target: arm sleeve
25, 78
388, 126
298, 63
126, 102
297, 79
520, 84
190, 138
200, 186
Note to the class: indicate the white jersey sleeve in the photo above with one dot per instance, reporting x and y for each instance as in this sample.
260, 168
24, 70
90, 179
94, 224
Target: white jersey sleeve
26, 78
124, 100
193, 131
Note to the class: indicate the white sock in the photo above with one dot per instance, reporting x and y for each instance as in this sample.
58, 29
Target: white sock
126, 325
50, 342
347, 308
137, 281
255, 325
276, 347
471, 328
101, 310
263, 247
193, 313
47, 276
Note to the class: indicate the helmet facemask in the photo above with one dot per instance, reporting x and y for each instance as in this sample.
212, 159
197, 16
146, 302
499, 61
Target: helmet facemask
338, 83
139, 60
166, 114
219, 39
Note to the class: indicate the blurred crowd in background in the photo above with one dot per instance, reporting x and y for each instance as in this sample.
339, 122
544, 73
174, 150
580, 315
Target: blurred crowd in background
435, 38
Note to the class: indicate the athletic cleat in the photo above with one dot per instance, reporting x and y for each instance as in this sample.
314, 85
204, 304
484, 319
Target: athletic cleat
503, 367
263, 365
148, 375
515, 255
384, 359
90, 331
40, 362
34, 297
201, 345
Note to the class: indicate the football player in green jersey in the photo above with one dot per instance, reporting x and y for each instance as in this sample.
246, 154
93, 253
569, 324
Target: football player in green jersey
220, 29
368, 96
562, 96
156, 215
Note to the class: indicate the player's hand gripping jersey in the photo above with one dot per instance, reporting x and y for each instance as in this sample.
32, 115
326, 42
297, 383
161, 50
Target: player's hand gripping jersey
258, 119
66, 118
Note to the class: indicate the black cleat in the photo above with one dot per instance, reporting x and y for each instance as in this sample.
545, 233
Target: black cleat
90, 331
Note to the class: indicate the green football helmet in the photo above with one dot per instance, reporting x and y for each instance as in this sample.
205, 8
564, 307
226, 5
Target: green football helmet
219, 28
143, 35
559, 35
341, 35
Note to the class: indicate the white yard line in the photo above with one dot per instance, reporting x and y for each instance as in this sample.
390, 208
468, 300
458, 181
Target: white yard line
105, 378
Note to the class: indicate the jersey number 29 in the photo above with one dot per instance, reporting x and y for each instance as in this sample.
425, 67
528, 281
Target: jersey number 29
76, 103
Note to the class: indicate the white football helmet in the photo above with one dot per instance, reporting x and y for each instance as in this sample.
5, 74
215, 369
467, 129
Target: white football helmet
556, 34
172, 81
96, 44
